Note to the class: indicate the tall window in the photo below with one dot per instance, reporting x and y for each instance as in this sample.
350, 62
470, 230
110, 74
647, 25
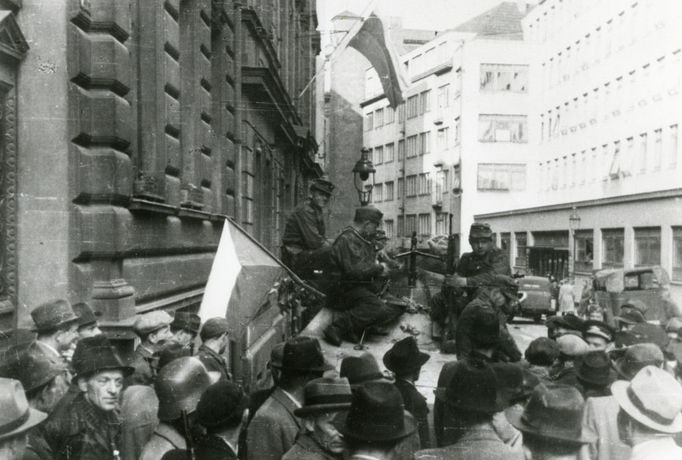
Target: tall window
401, 113
424, 184
671, 146
504, 77
677, 253
388, 228
612, 244
441, 223
424, 101
425, 142
401, 150
584, 250
521, 244
378, 118
389, 115
378, 193
442, 139
401, 188
413, 106
458, 129
411, 182
410, 224
648, 246
378, 155
424, 225
658, 149
388, 153
401, 226
412, 146
505, 242
388, 192
642, 152
444, 96
501, 176
369, 121
502, 128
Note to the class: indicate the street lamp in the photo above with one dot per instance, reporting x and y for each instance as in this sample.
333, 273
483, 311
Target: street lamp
361, 171
573, 225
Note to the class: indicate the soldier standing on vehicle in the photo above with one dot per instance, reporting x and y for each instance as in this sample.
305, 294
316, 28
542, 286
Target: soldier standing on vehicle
304, 244
355, 296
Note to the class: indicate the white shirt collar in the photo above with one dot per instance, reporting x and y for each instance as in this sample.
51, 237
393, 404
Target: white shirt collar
51, 348
294, 400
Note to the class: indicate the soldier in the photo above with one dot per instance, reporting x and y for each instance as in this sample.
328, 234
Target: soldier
153, 328
185, 327
88, 428
214, 343
354, 297
87, 320
16, 418
179, 387
57, 328
324, 398
304, 244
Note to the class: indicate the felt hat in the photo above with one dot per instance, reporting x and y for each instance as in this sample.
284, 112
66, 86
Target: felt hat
304, 354
15, 414
179, 386
322, 185
594, 368
53, 315
153, 321
184, 320
404, 357
361, 369
33, 369
377, 413
554, 412
637, 357
630, 316
572, 346
542, 351
95, 354
325, 395
472, 387
369, 213
222, 404
86, 315
515, 383
598, 329
653, 398
480, 230
485, 328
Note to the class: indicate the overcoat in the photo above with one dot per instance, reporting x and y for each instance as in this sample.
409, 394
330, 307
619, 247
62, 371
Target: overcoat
272, 431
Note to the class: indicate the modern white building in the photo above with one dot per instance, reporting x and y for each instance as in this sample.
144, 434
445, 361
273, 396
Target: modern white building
460, 144
607, 116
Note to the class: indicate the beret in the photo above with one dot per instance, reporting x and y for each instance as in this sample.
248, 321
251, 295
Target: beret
480, 230
369, 213
152, 321
214, 327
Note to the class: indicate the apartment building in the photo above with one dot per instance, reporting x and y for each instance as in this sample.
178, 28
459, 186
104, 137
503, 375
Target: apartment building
608, 117
459, 145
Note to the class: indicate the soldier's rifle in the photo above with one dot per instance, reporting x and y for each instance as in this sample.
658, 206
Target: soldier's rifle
191, 454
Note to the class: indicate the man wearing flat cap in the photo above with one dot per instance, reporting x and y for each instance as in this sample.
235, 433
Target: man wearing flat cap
304, 244
57, 328
214, 343
354, 296
153, 328
320, 439
185, 327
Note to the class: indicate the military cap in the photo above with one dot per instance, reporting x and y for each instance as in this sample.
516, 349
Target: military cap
369, 213
322, 185
86, 315
53, 315
599, 329
187, 321
214, 327
480, 230
16, 416
152, 321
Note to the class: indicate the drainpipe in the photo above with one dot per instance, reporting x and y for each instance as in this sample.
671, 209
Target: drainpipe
238, 110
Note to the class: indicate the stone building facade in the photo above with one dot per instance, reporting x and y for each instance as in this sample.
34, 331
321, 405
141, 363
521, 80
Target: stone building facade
131, 130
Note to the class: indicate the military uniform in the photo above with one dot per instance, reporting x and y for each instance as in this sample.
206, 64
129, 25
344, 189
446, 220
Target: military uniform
82, 431
304, 243
354, 296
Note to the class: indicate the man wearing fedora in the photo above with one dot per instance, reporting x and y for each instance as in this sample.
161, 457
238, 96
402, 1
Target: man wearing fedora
222, 410
471, 398
304, 243
551, 423
594, 374
179, 387
650, 414
354, 298
362, 369
273, 429
16, 419
185, 327
153, 329
88, 427
405, 360
601, 413
376, 422
57, 328
324, 399
88, 325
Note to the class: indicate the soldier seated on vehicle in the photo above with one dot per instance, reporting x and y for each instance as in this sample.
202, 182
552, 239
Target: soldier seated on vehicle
354, 296
304, 245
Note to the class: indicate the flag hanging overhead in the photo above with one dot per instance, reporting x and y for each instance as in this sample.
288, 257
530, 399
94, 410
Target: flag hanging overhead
372, 40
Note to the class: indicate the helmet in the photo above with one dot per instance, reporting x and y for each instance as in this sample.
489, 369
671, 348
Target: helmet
179, 386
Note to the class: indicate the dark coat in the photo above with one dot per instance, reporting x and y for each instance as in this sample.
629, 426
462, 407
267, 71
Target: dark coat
164, 439
305, 228
307, 449
214, 362
82, 431
145, 369
274, 428
415, 404
507, 347
37, 447
477, 444
214, 448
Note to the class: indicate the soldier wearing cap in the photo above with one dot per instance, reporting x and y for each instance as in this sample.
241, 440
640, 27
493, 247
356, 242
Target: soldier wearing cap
273, 429
57, 328
16, 419
354, 296
304, 244
185, 327
214, 343
89, 426
320, 439
153, 328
